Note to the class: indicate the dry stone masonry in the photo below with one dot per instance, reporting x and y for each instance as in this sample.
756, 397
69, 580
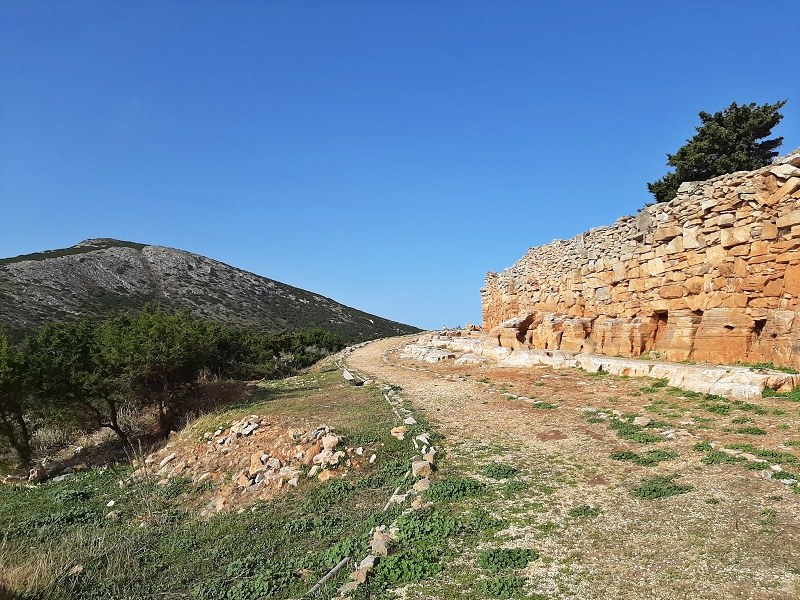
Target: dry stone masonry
712, 276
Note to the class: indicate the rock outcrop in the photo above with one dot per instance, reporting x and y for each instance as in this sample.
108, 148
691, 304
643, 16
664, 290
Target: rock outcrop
713, 275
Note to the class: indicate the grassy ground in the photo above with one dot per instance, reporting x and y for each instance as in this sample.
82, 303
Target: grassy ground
58, 543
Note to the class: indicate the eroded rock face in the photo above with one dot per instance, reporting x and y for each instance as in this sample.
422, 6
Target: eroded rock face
713, 275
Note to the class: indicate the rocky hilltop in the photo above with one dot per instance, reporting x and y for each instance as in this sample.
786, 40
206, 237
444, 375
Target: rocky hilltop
102, 275
713, 275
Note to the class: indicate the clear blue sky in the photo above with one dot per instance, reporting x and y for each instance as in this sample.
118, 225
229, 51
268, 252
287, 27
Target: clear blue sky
385, 154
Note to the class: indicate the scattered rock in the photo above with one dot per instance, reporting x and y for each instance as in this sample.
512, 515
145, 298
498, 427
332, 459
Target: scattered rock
399, 432
330, 441
421, 468
422, 485
642, 421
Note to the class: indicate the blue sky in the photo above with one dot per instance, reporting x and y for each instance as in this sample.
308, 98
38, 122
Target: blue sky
385, 154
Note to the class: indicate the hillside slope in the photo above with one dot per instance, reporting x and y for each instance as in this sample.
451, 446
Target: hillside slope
102, 275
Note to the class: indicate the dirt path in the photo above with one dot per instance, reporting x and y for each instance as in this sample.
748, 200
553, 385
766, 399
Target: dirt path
734, 535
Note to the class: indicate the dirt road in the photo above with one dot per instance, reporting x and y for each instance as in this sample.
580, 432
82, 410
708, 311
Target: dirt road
718, 529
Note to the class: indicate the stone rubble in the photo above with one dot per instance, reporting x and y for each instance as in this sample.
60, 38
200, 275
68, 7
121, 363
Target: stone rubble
252, 459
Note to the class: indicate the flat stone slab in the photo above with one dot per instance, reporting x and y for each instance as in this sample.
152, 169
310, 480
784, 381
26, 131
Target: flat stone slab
740, 383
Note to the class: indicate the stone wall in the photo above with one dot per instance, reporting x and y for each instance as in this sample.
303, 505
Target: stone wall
713, 275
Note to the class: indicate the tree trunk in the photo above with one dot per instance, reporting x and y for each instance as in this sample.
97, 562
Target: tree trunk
19, 440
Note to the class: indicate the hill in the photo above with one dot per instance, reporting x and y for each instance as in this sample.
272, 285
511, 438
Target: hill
98, 276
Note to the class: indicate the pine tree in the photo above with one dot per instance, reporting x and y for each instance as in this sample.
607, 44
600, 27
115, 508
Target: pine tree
725, 142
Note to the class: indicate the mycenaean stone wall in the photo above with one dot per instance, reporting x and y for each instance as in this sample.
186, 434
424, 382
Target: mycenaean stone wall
713, 275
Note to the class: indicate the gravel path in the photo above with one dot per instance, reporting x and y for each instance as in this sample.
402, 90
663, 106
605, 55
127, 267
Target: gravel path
734, 536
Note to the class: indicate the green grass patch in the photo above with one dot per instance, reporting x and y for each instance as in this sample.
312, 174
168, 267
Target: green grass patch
751, 431
647, 459
760, 366
660, 487
583, 511
501, 559
499, 471
793, 396
631, 432
454, 488
503, 586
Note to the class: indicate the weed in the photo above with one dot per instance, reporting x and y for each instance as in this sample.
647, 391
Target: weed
512, 487
655, 386
544, 405
660, 487
478, 520
453, 489
759, 366
599, 373
503, 586
500, 559
584, 510
741, 420
648, 459
632, 432
793, 396
768, 517
751, 431
715, 457
499, 471
776, 456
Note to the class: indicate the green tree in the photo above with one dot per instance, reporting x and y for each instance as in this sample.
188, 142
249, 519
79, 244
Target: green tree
13, 402
158, 356
69, 374
727, 141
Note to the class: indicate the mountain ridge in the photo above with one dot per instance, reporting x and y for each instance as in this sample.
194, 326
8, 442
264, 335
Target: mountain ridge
104, 275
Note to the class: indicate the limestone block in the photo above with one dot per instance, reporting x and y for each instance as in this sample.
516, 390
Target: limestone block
789, 219
785, 171
666, 232
675, 245
672, 291
734, 236
690, 238
791, 280
723, 336
715, 255
726, 220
